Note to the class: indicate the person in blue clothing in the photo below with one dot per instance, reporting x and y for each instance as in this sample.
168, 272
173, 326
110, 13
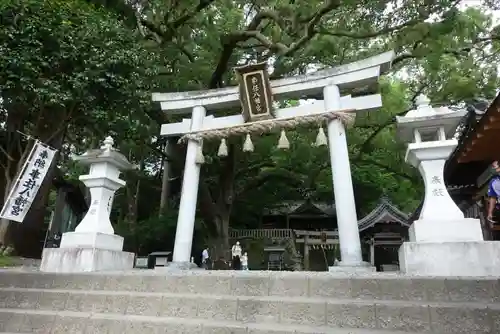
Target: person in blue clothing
494, 192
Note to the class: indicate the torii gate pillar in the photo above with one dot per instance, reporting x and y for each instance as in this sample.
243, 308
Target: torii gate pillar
189, 196
347, 221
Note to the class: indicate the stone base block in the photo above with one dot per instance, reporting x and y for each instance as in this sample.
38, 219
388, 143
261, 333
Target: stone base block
77, 260
364, 267
466, 229
450, 258
92, 240
174, 266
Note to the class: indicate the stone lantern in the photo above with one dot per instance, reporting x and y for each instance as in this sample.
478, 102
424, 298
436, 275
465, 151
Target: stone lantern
442, 242
430, 135
93, 246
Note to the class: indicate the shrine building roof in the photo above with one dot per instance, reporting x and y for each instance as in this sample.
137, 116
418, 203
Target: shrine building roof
384, 212
477, 147
302, 207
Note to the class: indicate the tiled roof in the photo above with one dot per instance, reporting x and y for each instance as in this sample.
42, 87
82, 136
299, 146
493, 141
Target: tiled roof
297, 207
384, 212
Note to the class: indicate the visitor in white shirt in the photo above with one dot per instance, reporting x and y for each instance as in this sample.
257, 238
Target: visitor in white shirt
236, 253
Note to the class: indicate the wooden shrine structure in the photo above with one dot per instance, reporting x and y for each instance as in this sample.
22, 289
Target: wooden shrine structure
298, 215
382, 232
467, 171
384, 229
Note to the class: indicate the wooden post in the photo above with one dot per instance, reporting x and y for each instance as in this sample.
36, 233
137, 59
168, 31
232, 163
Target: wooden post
306, 252
372, 251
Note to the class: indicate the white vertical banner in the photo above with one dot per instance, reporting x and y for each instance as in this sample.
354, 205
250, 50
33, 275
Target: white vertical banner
29, 180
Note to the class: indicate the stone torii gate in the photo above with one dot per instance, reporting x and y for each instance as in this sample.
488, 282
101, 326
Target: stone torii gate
329, 82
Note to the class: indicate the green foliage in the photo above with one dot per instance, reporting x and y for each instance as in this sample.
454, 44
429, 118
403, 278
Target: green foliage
148, 235
70, 65
6, 261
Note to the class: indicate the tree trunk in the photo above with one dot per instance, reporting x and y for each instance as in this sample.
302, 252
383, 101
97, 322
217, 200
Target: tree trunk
225, 202
133, 192
11, 159
219, 243
165, 189
4, 223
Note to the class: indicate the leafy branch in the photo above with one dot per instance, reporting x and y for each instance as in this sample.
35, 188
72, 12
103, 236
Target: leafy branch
164, 32
387, 168
366, 144
458, 53
231, 41
364, 35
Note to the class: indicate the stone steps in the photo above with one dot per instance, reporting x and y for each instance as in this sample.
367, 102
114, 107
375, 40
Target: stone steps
254, 302
293, 284
35, 321
368, 314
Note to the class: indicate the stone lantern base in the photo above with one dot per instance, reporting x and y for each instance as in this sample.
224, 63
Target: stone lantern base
480, 258
87, 252
449, 248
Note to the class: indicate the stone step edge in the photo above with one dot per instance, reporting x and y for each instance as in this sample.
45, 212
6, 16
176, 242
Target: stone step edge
283, 299
252, 274
204, 322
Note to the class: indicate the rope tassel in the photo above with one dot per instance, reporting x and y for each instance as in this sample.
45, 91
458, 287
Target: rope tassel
283, 143
222, 148
321, 138
248, 145
200, 159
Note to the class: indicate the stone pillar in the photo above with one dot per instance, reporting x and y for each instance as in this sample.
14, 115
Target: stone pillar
189, 197
93, 246
350, 243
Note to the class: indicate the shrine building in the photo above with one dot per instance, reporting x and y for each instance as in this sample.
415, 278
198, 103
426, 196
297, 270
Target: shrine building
309, 228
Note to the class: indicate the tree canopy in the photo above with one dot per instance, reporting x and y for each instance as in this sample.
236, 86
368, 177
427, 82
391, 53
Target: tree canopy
76, 71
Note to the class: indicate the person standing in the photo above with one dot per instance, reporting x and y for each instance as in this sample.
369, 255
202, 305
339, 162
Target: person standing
244, 261
493, 192
205, 258
236, 254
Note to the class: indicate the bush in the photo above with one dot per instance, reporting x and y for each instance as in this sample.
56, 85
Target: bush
6, 261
